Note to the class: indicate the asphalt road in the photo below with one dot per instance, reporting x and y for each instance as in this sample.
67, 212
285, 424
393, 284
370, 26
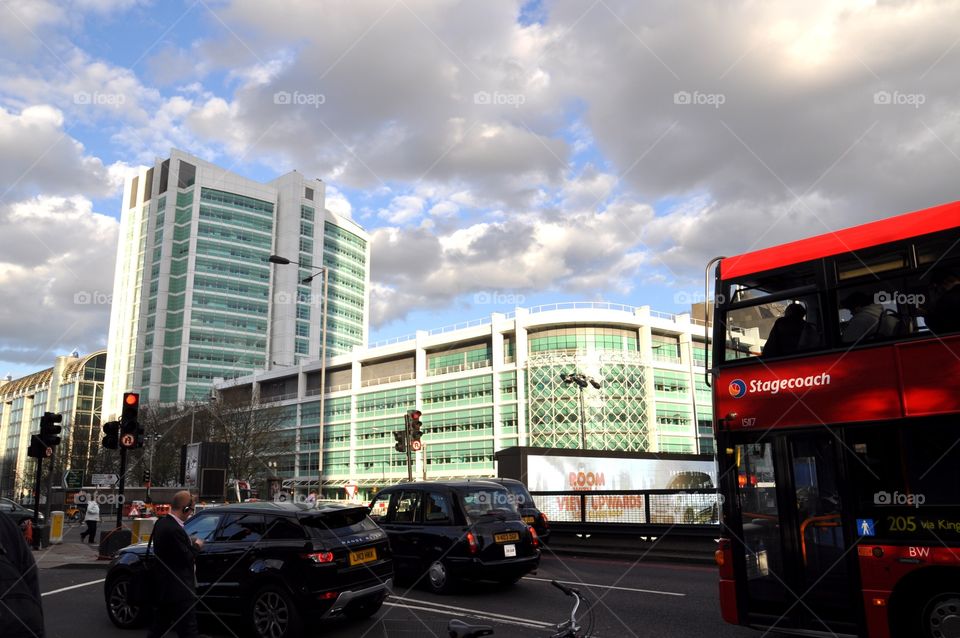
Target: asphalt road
642, 599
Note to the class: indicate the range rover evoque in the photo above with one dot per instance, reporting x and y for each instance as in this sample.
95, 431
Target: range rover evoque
273, 566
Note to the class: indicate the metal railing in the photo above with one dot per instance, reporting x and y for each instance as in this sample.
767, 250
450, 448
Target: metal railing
394, 378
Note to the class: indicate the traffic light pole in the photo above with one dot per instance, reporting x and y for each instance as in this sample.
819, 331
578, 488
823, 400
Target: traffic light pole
36, 505
123, 475
406, 438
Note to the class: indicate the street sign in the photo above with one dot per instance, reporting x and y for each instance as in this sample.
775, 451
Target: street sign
104, 479
73, 479
48, 452
128, 440
416, 446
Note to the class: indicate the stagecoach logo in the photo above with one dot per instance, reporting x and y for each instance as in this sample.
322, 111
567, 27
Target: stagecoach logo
737, 388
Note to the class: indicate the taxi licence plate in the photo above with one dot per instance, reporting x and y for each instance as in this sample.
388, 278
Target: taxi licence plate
362, 556
506, 538
528, 520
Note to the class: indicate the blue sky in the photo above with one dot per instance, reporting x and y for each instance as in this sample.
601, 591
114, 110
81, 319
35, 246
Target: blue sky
499, 153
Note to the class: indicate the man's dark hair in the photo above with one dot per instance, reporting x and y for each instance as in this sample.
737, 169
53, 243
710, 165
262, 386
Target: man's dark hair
856, 299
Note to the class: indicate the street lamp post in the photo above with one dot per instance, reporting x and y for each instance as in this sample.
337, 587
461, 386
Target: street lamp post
277, 259
582, 381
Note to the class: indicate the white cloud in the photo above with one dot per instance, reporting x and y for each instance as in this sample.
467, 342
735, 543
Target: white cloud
336, 202
56, 270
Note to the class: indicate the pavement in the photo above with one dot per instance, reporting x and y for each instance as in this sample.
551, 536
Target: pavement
71, 553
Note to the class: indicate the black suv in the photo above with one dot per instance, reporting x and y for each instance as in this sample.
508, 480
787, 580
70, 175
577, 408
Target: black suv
455, 530
276, 566
17, 512
526, 506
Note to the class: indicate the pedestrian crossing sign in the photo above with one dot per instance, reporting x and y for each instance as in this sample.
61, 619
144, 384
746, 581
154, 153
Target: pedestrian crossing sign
865, 527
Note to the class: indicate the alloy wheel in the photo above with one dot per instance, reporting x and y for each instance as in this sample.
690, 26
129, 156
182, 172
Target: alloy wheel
271, 615
120, 606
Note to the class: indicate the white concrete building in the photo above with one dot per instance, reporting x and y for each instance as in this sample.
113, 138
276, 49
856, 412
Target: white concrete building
195, 297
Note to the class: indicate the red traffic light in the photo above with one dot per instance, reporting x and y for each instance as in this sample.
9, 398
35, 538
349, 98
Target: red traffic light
131, 398
415, 414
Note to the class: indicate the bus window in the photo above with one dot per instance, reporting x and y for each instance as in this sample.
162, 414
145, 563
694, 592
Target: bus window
774, 329
906, 479
874, 313
865, 264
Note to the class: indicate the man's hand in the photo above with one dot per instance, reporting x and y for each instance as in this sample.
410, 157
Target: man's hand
198, 543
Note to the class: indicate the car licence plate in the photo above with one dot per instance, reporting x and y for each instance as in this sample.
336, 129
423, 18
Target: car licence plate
509, 551
528, 520
506, 538
362, 556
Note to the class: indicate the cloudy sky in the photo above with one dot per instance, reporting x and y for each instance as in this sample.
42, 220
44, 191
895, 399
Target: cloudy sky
500, 152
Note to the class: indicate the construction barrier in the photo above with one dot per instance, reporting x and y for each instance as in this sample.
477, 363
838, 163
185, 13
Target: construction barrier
56, 528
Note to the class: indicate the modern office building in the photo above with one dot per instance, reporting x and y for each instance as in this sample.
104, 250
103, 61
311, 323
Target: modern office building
73, 387
194, 295
492, 384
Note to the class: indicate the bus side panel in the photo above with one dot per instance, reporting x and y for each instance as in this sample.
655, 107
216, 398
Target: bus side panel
861, 385
883, 566
930, 371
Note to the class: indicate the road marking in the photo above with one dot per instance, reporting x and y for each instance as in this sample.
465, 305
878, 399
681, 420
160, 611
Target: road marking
632, 589
486, 615
63, 589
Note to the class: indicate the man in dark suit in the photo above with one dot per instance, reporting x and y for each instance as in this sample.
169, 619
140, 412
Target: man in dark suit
175, 578
21, 615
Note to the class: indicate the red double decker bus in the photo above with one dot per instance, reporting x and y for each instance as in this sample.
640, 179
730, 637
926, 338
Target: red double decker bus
836, 373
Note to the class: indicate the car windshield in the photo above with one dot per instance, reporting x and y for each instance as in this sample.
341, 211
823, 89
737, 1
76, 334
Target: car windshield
338, 523
489, 501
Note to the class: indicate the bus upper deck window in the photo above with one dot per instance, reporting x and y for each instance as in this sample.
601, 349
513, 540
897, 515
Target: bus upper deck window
864, 264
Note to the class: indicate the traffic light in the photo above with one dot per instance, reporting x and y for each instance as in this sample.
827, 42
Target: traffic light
131, 436
37, 449
401, 438
49, 429
146, 476
112, 439
415, 427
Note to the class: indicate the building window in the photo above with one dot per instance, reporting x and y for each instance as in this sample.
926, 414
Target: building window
308, 193
187, 175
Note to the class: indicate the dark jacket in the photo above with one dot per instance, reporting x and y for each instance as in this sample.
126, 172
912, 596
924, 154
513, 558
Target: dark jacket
20, 611
173, 569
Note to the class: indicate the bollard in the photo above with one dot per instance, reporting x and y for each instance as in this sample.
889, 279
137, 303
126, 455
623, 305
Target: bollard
56, 528
142, 529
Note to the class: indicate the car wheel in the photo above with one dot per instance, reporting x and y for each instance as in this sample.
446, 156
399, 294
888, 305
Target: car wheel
438, 578
941, 616
363, 610
274, 615
122, 612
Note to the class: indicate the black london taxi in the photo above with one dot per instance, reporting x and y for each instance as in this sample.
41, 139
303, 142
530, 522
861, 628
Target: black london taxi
276, 567
445, 531
525, 504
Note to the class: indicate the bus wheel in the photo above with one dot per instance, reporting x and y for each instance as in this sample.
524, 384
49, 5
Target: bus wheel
941, 616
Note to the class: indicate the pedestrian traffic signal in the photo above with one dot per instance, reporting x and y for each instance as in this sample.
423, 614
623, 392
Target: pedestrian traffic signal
112, 439
401, 438
131, 435
415, 427
49, 429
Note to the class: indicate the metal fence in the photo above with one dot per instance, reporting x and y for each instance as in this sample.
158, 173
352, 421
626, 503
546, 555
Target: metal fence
631, 507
